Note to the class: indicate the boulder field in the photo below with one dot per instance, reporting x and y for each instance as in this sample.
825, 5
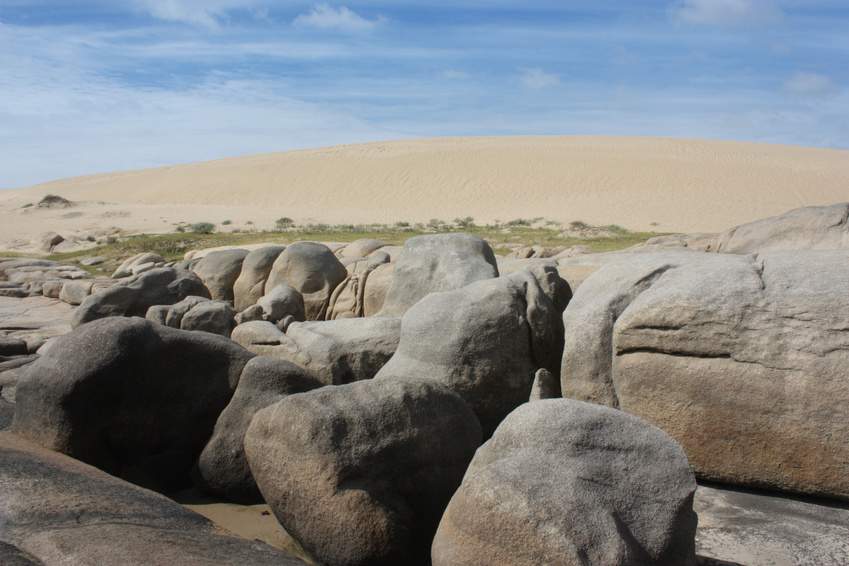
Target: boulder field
433, 404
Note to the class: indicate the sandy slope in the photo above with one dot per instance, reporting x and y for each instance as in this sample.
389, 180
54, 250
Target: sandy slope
640, 183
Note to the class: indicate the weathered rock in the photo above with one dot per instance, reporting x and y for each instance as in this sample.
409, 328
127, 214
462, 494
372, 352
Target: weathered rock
126, 268
50, 240
14, 292
377, 286
140, 268
741, 359
430, 264
545, 386
52, 288
10, 346
54, 201
176, 312
258, 336
161, 286
92, 261
349, 297
565, 482
250, 314
339, 351
131, 397
7, 413
250, 285
60, 511
313, 271
280, 302
222, 466
75, 292
359, 249
761, 529
360, 474
219, 272
158, 314
13, 556
484, 341
210, 316
809, 228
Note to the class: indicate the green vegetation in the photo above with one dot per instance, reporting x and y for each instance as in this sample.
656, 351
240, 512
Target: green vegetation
174, 245
284, 223
203, 228
226, 222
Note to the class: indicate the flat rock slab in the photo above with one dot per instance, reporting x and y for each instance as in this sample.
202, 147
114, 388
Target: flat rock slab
757, 529
34, 316
60, 511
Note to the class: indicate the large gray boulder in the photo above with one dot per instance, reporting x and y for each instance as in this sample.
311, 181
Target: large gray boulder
441, 262
741, 359
809, 228
337, 351
312, 270
161, 286
223, 467
216, 317
280, 302
219, 272
131, 397
485, 341
75, 292
565, 482
176, 312
250, 285
56, 511
360, 474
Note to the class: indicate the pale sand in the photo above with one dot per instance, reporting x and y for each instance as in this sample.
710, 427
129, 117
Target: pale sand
640, 183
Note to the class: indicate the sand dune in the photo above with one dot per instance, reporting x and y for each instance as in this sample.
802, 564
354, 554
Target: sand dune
639, 183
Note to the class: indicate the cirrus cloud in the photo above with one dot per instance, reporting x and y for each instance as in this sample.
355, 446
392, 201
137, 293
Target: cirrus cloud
342, 18
726, 12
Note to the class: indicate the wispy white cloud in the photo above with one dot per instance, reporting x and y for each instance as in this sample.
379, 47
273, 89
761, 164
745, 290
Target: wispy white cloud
342, 18
206, 13
726, 12
810, 84
536, 78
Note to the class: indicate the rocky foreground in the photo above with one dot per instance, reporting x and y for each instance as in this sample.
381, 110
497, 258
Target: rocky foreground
680, 403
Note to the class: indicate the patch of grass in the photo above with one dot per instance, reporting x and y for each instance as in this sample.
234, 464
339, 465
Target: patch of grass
173, 246
202, 228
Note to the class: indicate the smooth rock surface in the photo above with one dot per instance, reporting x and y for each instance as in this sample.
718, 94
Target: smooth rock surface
161, 286
441, 262
741, 359
339, 351
570, 483
219, 272
131, 397
223, 466
250, 285
742, 528
359, 474
809, 228
312, 270
63, 512
485, 341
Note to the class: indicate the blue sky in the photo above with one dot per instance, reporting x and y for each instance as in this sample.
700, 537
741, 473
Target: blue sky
98, 85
